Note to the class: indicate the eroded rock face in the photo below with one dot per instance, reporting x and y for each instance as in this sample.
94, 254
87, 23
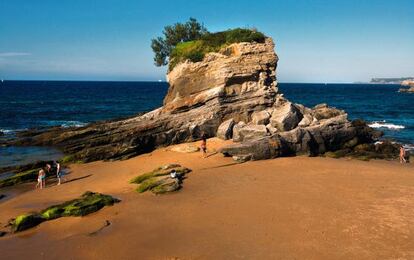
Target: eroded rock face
243, 70
261, 117
232, 84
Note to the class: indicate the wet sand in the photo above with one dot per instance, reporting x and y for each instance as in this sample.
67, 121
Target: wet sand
286, 208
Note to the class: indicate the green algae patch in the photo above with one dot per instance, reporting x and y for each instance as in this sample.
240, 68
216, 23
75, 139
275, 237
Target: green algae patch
21, 177
88, 203
159, 180
67, 159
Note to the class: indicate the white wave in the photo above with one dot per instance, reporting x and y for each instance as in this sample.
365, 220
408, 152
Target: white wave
384, 124
6, 131
72, 124
62, 123
409, 147
11, 131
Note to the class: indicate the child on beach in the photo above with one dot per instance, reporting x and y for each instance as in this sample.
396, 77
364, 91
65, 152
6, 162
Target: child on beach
41, 179
204, 145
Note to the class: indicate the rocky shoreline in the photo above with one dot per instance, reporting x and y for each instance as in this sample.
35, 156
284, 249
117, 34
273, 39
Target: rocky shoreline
229, 94
409, 84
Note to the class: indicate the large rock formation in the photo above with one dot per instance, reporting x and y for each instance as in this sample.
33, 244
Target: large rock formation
231, 84
236, 84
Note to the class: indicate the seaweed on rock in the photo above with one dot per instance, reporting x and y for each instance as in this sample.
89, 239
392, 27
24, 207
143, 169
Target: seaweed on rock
88, 203
158, 181
21, 177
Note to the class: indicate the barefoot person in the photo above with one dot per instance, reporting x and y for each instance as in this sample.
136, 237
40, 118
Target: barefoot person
402, 155
41, 177
59, 174
204, 145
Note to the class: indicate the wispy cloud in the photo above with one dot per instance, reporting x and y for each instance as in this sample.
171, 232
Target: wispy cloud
14, 54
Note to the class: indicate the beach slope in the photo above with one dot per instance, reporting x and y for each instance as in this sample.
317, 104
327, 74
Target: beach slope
285, 208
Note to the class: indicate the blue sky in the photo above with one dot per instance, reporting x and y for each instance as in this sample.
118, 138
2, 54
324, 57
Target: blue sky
316, 41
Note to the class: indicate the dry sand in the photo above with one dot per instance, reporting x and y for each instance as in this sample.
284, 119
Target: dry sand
286, 208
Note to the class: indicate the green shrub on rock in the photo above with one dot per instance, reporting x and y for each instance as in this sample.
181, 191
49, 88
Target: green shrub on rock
88, 203
195, 50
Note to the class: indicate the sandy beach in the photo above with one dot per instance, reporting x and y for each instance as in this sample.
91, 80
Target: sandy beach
286, 208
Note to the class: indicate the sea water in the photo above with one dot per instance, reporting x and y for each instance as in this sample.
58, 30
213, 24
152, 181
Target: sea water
31, 104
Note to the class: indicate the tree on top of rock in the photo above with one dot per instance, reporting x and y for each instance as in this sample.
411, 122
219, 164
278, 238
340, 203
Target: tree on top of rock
173, 35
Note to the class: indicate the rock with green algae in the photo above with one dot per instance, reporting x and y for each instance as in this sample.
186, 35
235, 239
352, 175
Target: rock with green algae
88, 203
26, 173
159, 180
21, 177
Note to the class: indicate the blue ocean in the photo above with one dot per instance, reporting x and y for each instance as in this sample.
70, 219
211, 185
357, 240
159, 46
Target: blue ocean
30, 104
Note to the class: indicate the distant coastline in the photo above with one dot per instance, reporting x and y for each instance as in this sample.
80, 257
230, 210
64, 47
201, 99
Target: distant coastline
390, 80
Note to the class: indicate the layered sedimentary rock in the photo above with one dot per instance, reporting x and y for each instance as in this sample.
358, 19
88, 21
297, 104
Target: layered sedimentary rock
233, 94
231, 84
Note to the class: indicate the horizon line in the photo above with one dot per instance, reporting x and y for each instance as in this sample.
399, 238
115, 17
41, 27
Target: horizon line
164, 81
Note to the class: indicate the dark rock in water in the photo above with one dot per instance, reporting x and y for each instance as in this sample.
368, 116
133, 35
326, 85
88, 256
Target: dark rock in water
406, 90
26, 167
88, 203
2, 196
159, 180
409, 84
1, 133
383, 150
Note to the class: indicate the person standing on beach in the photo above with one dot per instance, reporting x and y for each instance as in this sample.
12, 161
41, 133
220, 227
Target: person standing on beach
59, 173
402, 155
204, 145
